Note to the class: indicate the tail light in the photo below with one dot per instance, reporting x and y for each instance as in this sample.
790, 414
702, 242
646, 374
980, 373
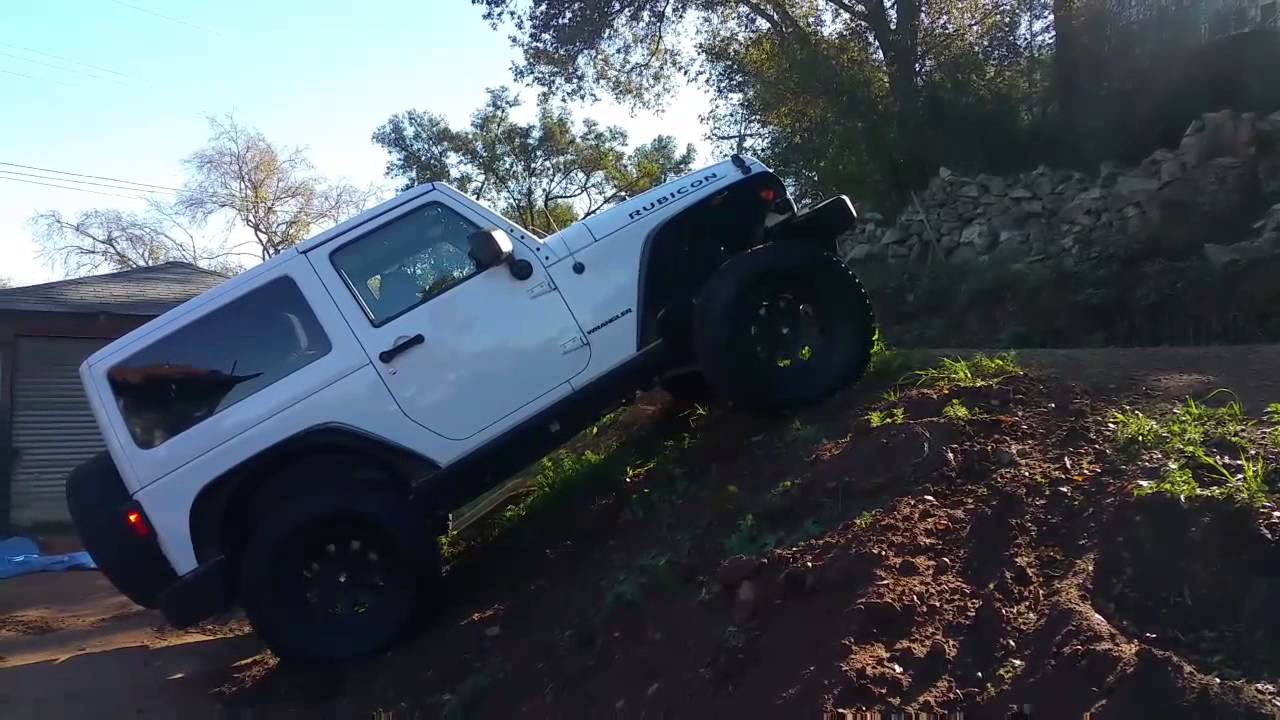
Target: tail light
136, 521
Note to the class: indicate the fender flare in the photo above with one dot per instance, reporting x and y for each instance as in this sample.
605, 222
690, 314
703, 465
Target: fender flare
215, 507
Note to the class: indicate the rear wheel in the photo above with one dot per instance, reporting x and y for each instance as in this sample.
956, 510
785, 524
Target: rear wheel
781, 326
337, 569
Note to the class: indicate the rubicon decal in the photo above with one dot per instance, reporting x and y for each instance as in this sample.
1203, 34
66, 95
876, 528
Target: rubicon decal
611, 320
658, 202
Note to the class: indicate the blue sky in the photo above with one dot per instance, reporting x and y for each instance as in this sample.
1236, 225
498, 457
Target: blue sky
320, 74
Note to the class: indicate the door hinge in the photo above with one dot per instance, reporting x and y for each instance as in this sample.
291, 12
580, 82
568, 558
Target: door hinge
541, 289
573, 343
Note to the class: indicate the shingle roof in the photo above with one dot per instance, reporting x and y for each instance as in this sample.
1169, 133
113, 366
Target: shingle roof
142, 291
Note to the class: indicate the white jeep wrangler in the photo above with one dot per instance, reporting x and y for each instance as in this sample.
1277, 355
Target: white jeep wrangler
293, 440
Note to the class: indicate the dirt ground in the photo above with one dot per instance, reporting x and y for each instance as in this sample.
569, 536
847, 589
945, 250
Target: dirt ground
922, 565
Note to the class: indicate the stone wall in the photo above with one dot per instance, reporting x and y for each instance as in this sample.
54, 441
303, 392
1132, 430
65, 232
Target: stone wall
1201, 199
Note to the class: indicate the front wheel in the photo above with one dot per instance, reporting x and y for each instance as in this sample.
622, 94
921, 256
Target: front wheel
337, 569
782, 326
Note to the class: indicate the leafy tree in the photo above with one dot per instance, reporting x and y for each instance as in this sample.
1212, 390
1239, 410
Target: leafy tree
107, 240
545, 174
272, 190
845, 89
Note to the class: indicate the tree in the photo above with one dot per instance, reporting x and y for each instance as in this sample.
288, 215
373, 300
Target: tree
545, 174
271, 190
107, 240
880, 70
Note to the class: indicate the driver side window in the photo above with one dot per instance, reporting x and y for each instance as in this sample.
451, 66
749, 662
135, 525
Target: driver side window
407, 262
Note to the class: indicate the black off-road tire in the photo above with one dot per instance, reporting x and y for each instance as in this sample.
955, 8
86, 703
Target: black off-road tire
738, 309
330, 519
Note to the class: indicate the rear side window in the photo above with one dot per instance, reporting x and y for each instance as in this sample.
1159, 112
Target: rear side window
216, 361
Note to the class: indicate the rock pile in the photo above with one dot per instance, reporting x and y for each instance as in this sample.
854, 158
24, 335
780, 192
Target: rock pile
1173, 203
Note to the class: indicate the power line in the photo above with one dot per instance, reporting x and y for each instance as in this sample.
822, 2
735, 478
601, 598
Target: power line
63, 59
33, 77
93, 177
234, 202
162, 16
56, 67
97, 184
67, 187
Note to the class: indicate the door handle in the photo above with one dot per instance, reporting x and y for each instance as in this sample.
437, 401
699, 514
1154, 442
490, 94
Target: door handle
390, 353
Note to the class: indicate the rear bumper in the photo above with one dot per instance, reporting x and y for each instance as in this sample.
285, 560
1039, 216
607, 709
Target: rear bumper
99, 502
197, 595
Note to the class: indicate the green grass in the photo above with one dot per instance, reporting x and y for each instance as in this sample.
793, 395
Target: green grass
748, 539
978, 371
956, 411
892, 395
891, 416
885, 360
1193, 438
863, 521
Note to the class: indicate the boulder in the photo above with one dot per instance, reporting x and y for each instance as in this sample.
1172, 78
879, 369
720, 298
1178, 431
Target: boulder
1220, 256
1021, 193
859, 252
969, 191
944, 173
891, 236
1033, 207
1131, 186
979, 235
963, 255
1171, 170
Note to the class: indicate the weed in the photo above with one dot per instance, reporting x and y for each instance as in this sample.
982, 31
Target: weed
885, 360
892, 395
956, 411
1135, 431
977, 371
863, 521
1272, 413
747, 539
1248, 488
1176, 480
892, 416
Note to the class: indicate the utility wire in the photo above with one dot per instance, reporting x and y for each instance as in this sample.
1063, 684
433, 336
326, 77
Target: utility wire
94, 177
38, 79
235, 203
67, 187
162, 16
73, 71
33, 51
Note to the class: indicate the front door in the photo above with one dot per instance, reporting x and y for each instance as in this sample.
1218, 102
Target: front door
459, 349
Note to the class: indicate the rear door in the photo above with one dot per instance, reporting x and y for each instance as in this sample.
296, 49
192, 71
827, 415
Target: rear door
470, 347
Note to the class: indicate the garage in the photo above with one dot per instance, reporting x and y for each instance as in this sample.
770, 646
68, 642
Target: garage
46, 332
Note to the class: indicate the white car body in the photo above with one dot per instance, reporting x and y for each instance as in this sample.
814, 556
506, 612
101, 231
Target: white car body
497, 350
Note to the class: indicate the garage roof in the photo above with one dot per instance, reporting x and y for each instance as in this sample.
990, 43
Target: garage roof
142, 291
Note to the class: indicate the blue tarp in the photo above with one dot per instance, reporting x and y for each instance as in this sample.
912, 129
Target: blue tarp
21, 556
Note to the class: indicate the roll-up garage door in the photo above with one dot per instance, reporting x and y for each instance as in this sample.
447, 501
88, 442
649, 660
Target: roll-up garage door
53, 428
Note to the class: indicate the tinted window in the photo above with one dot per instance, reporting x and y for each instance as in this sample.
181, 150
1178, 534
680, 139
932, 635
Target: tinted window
408, 261
216, 361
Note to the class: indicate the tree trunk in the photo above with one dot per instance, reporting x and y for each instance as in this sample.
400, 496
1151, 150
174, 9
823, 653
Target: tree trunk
1067, 73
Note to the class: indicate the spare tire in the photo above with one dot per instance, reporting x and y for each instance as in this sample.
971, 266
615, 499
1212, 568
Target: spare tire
782, 326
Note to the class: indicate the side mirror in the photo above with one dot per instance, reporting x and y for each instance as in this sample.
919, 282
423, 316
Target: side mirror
490, 248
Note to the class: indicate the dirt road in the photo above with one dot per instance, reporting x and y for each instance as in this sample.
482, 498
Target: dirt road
70, 647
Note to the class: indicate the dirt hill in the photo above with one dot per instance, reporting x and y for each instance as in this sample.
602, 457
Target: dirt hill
975, 539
